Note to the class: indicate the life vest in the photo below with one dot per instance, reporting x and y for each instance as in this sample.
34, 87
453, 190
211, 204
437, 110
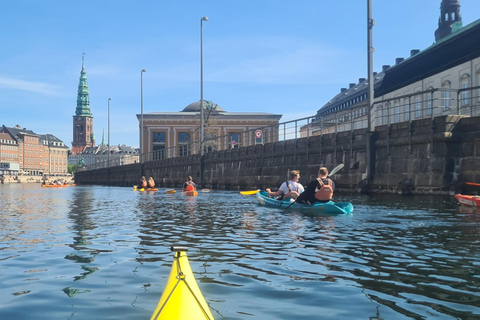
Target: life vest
144, 184
189, 187
325, 192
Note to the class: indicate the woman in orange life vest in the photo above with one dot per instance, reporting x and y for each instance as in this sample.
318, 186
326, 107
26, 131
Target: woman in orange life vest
150, 183
143, 182
318, 190
189, 185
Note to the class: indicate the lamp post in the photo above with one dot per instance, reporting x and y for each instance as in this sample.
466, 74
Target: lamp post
201, 83
108, 144
141, 112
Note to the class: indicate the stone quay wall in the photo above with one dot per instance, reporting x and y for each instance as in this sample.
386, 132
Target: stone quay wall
421, 156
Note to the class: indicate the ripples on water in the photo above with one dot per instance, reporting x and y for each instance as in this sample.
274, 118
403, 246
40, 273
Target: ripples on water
103, 253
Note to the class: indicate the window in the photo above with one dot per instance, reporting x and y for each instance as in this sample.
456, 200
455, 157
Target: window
418, 107
465, 80
407, 109
478, 84
183, 144
379, 115
429, 103
446, 95
397, 112
158, 146
234, 139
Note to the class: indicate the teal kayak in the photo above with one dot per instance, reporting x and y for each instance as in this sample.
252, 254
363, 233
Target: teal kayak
317, 208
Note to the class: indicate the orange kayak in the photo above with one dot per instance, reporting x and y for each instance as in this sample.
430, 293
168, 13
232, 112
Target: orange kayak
190, 193
469, 201
55, 185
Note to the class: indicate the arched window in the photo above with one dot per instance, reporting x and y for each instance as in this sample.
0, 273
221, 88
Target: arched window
397, 111
418, 106
429, 101
446, 95
407, 109
465, 80
478, 84
379, 115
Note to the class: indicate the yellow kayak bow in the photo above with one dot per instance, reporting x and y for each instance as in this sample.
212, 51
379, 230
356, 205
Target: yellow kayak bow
181, 298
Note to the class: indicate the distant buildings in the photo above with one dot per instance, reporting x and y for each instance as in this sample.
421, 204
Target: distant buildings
22, 151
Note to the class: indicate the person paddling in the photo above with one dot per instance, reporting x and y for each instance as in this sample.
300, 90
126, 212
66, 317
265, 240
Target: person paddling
189, 185
291, 189
318, 190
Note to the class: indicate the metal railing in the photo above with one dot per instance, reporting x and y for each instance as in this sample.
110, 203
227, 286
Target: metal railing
425, 104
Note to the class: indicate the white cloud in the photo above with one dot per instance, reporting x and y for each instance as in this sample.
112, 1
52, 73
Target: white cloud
32, 86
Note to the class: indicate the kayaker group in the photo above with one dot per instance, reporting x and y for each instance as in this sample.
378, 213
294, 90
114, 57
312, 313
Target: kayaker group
147, 184
318, 190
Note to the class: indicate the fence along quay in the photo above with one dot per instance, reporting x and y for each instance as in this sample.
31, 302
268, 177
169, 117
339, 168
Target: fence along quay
419, 146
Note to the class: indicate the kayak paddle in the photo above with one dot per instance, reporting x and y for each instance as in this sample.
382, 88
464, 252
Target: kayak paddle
249, 192
473, 184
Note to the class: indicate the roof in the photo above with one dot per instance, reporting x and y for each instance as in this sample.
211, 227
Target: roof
195, 106
457, 48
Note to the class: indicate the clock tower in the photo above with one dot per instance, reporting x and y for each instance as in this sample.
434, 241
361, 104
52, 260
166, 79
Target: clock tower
83, 119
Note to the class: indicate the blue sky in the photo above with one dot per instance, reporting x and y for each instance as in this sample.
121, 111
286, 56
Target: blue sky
277, 56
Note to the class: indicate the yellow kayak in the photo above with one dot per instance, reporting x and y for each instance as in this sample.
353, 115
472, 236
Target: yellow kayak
181, 298
249, 192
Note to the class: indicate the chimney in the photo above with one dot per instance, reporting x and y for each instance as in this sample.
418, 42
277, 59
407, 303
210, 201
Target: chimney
414, 52
343, 90
385, 67
360, 80
398, 60
351, 85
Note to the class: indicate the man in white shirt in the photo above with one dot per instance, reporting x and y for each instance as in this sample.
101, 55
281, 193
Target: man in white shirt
291, 189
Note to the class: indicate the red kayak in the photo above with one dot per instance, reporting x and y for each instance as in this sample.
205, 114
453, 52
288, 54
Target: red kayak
469, 201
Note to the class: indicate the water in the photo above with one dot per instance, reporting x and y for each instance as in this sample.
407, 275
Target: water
103, 253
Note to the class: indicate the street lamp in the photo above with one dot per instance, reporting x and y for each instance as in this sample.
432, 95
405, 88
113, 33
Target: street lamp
108, 145
201, 83
141, 118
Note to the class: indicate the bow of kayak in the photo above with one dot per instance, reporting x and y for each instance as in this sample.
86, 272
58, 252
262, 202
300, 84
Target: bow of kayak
181, 298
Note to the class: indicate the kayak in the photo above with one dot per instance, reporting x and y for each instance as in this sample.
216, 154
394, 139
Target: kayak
144, 189
54, 185
181, 298
171, 191
317, 208
469, 201
192, 193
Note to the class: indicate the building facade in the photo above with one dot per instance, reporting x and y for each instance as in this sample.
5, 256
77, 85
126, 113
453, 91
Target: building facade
439, 80
174, 134
9, 164
37, 154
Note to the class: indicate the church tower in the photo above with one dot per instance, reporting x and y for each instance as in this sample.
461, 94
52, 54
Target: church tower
83, 119
450, 18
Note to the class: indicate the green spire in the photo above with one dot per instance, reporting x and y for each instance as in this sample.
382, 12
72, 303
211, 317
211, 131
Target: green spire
103, 138
83, 101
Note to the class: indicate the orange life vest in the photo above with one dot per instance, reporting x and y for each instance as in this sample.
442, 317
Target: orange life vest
189, 187
325, 192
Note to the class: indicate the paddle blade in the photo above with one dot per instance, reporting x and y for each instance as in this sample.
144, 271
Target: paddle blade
250, 192
336, 169
473, 184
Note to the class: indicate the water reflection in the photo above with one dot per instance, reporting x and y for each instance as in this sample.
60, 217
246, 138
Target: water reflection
394, 258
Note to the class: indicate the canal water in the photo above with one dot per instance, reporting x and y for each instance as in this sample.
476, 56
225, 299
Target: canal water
92, 252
